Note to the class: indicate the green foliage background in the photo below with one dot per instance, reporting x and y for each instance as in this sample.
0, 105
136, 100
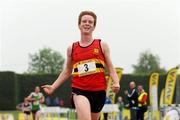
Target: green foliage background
14, 87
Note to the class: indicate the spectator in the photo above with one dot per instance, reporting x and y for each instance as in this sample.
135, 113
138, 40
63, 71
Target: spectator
61, 103
56, 101
48, 101
142, 102
133, 100
120, 106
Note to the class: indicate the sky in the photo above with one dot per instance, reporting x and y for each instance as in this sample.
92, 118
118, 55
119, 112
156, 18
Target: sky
128, 26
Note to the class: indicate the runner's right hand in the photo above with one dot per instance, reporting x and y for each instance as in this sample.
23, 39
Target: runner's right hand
48, 89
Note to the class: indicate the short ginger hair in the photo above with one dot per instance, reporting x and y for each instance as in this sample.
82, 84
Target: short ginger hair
87, 13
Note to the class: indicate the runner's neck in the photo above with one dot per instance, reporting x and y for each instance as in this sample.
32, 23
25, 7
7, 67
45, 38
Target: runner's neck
86, 42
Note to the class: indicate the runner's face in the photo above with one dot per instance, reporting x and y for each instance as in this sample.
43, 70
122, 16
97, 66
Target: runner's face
37, 90
86, 25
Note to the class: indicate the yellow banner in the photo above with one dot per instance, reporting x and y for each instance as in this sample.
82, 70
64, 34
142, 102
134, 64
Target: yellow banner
170, 85
161, 98
153, 88
109, 92
155, 115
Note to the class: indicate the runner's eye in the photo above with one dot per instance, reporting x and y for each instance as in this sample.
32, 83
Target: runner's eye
90, 22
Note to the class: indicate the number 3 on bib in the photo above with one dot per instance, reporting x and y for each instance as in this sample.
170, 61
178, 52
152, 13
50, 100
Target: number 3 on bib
86, 68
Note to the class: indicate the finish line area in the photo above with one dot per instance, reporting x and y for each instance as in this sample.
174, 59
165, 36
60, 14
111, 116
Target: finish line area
58, 113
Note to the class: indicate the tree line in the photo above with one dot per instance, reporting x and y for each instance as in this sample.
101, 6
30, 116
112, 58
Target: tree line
49, 61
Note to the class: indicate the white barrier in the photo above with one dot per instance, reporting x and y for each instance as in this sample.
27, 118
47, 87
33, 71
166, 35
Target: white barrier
109, 108
54, 111
172, 115
170, 112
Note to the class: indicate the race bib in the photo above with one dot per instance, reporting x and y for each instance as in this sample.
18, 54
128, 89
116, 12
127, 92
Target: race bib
86, 68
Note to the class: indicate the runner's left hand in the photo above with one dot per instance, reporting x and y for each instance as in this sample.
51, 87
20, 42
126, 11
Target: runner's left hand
116, 87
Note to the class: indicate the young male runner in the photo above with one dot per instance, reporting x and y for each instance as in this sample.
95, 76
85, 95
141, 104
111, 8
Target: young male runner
86, 60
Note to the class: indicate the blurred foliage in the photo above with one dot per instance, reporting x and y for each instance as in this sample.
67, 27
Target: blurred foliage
45, 61
148, 63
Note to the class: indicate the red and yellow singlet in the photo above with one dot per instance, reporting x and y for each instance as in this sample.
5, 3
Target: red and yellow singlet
88, 67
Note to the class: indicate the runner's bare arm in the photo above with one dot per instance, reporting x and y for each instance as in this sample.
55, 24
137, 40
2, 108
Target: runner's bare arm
42, 100
29, 98
63, 76
110, 67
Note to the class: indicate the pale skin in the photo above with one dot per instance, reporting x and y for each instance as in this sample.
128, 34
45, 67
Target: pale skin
86, 27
